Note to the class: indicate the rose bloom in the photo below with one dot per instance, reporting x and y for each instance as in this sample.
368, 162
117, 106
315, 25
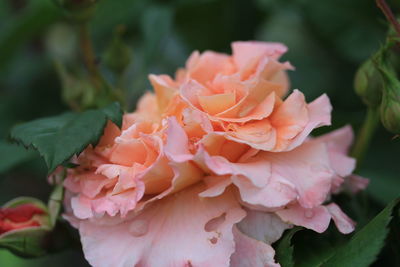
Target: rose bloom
211, 169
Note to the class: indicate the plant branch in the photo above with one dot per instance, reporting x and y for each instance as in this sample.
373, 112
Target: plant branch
89, 57
389, 14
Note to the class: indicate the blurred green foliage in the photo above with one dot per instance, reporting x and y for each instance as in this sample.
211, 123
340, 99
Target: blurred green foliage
327, 42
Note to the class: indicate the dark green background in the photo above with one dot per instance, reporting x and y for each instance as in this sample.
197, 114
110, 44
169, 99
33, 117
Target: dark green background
327, 40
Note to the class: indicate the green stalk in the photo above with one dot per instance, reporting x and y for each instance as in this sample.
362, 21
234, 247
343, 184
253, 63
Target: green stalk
365, 135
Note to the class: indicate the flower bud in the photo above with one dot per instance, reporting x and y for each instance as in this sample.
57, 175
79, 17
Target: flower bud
20, 217
368, 82
390, 106
118, 54
78, 10
24, 227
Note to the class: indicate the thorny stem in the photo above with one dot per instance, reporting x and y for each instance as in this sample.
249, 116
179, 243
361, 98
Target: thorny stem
389, 14
365, 135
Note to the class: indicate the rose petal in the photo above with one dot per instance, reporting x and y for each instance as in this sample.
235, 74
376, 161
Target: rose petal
263, 226
251, 253
199, 229
342, 221
316, 219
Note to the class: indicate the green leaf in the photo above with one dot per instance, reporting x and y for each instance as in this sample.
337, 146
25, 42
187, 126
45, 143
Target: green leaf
366, 244
12, 155
284, 250
59, 138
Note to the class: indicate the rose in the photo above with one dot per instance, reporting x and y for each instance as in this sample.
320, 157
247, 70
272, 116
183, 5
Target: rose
208, 223
183, 185
242, 95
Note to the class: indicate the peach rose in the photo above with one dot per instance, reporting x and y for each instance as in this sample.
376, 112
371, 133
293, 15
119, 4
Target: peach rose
211, 169
243, 96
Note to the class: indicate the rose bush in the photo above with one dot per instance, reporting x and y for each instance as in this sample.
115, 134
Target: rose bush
212, 168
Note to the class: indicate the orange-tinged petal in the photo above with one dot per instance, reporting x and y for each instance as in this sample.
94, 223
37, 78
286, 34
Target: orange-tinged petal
215, 104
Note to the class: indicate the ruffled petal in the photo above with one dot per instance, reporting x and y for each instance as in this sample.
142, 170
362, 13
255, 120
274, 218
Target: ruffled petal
316, 219
342, 221
263, 226
251, 252
199, 229
319, 114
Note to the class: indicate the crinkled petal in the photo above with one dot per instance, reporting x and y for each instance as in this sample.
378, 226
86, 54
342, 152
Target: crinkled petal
245, 51
251, 252
257, 171
277, 193
263, 226
307, 167
316, 219
319, 114
180, 230
342, 221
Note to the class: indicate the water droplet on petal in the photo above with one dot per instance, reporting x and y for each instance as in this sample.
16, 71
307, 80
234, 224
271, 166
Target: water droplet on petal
139, 228
308, 214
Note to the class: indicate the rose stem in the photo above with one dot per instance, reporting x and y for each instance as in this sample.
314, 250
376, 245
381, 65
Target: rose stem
365, 134
388, 14
89, 56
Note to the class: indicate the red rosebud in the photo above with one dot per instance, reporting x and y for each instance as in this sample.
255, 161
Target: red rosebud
23, 216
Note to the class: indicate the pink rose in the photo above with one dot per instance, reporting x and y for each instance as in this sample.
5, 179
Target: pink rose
211, 169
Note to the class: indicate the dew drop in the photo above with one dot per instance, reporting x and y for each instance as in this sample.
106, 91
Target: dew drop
139, 228
308, 214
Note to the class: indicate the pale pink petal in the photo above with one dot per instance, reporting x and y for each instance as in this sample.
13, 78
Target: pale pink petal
256, 170
307, 168
338, 143
263, 226
319, 114
277, 193
245, 51
177, 145
342, 221
355, 183
122, 203
181, 230
316, 219
81, 207
251, 252
216, 185
339, 140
